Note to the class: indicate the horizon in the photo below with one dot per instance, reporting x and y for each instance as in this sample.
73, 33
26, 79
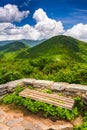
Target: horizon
37, 20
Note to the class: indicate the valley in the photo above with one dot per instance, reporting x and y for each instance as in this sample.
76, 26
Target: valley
59, 59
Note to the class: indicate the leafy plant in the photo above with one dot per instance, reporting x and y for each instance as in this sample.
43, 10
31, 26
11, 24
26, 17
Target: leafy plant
36, 106
48, 91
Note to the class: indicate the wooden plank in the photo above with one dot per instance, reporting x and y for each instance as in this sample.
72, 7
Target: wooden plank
47, 101
50, 95
48, 98
29, 93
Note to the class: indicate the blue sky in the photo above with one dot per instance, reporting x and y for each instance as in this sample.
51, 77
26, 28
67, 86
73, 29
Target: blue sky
69, 12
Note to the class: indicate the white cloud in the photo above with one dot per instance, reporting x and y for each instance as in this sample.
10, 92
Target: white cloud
78, 31
44, 28
11, 13
47, 27
12, 32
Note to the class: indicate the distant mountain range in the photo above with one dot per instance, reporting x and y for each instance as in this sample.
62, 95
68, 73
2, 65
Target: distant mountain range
58, 47
30, 42
11, 50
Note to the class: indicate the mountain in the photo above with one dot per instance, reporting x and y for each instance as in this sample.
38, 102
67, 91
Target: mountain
61, 48
31, 43
58, 48
11, 50
2, 43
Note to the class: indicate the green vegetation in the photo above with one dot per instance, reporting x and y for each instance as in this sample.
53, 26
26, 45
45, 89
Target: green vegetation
84, 125
61, 59
36, 106
48, 91
59, 48
43, 68
11, 50
48, 110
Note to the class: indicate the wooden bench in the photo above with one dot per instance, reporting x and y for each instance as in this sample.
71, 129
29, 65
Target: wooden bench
48, 98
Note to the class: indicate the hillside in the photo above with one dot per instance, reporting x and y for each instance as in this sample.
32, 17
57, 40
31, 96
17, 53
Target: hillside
11, 50
61, 48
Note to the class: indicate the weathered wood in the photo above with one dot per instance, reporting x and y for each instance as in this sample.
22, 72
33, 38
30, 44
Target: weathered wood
48, 98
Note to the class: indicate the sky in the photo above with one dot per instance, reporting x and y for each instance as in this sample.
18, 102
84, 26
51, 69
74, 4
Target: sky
42, 19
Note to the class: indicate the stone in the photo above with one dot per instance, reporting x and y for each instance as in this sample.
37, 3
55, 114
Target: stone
66, 126
58, 87
13, 84
3, 86
28, 125
3, 127
86, 93
17, 127
84, 99
3, 89
76, 88
78, 121
2, 118
3, 93
1, 97
14, 121
28, 81
2, 113
43, 83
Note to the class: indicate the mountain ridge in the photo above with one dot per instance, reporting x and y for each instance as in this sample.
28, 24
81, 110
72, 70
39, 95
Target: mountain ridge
60, 47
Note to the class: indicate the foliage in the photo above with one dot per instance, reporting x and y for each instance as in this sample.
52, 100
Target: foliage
59, 48
36, 106
84, 125
47, 69
61, 59
79, 103
48, 91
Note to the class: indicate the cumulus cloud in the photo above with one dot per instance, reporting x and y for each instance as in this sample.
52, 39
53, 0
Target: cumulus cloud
78, 31
12, 32
44, 28
11, 13
47, 27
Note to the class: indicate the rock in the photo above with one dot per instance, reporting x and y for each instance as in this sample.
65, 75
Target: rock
18, 127
3, 86
14, 121
3, 116
43, 83
2, 112
3, 93
3, 127
78, 121
28, 81
76, 88
3, 89
86, 93
31, 126
58, 86
1, 97
66, 126
13, 84
84, 99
